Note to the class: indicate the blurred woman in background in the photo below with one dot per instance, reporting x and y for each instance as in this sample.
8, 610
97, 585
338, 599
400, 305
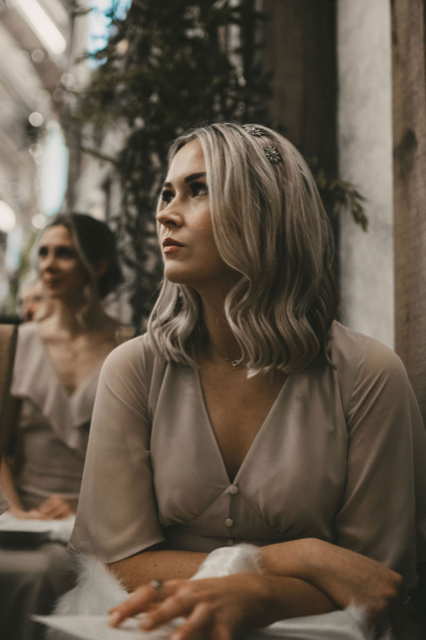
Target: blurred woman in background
55, 378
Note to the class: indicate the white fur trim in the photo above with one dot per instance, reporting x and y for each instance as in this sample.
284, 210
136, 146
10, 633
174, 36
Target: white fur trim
243, 558
97, 591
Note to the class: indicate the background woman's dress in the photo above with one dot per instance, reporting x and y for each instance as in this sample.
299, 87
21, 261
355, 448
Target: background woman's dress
53, 435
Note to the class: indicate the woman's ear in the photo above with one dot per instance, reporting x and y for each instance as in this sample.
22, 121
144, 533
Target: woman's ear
100, 267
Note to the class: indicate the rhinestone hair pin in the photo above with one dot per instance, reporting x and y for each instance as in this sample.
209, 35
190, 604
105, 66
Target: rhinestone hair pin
253, 131
271, 153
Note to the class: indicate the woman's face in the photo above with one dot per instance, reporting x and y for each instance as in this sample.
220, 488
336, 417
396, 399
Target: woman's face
60, 270
186, 235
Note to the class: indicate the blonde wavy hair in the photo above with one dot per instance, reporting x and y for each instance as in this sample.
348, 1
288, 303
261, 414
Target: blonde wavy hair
270, 226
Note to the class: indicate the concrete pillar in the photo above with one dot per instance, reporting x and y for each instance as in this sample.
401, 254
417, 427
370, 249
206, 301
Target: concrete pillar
365, 159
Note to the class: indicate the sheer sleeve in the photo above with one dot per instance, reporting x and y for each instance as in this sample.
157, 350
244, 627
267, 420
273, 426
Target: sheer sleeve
117, 513
383, 512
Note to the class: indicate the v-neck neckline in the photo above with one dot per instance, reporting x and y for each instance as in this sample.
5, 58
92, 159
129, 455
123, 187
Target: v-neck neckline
69, 396
256, 439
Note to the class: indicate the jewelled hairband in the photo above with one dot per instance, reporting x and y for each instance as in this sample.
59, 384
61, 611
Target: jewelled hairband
271, 153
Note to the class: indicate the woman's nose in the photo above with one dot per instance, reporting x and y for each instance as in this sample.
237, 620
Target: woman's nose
170, 215
47, 261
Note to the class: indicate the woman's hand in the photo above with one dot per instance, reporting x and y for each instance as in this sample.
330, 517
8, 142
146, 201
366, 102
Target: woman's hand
348, 578
33, 514
54, 508
217, 607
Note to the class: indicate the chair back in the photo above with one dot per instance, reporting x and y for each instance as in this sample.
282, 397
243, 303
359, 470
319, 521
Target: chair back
8, 339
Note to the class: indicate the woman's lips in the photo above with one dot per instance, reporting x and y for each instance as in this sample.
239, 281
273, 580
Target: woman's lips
172, 247
169, 245
51, 282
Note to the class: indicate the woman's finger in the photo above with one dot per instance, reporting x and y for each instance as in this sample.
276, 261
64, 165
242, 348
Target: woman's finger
195, 623
179, 604
221, 631
139, 601
46, 507
52, 511
62, 511
55, 508
35, 514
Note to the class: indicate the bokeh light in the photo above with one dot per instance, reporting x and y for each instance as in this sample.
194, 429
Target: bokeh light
36, 119
39, 221
7, 217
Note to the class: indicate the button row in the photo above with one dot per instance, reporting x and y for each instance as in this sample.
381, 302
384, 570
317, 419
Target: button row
233, 490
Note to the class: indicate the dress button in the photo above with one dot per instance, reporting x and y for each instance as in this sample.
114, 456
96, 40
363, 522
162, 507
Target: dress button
230, 542
229, 522
233, 489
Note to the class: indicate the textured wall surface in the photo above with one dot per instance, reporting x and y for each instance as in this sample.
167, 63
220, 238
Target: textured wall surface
301, 49
409, 103
365, 158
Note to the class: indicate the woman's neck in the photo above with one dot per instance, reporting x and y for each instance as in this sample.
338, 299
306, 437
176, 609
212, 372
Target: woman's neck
75, 316
220, 336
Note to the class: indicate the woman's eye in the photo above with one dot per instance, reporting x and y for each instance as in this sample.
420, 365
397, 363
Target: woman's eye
42, 252
167, 196
199, 189
65, 252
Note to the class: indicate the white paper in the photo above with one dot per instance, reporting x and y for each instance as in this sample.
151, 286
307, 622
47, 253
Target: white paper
337, 625
97, 628
55, 529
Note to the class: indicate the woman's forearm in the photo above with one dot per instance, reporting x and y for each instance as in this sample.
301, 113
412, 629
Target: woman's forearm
327, 576
139, 569
287, 559
292, 559
345, 576
290, 597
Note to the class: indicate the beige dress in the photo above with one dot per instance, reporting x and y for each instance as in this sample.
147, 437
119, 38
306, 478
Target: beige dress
340, 457
54, 426
54, 429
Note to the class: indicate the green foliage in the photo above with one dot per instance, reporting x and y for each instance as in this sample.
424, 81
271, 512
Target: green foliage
338, 195
172, 65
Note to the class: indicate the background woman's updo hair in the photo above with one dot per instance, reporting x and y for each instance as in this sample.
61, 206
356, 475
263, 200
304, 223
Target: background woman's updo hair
93, 241
269, 225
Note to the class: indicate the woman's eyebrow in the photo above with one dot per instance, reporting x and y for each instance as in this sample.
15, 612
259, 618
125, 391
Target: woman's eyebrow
58, 246
190, 178
195, 176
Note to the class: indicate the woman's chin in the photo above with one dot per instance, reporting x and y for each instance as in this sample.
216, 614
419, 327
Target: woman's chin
178, 276
53, 293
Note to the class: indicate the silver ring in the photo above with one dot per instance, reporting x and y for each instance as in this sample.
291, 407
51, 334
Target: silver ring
157, 584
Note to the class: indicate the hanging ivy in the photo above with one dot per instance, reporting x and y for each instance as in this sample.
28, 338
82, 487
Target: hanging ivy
170, 65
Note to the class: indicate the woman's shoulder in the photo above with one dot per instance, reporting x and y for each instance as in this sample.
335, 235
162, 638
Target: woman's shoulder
130, 372
134, 357
30, 360
27, 330
355, 354
29, 341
